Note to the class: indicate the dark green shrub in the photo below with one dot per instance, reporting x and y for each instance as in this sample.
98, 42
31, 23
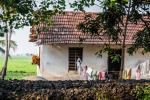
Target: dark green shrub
143, 93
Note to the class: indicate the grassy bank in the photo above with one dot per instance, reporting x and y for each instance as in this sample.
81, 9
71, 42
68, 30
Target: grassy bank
18, 67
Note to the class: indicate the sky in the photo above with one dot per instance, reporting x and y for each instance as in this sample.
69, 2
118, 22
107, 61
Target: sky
21, 36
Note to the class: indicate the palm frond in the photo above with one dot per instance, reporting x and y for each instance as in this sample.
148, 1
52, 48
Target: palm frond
2, 50
2, 42
12, 42
13, 45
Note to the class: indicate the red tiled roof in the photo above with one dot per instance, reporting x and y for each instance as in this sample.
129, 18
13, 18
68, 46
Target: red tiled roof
64, 30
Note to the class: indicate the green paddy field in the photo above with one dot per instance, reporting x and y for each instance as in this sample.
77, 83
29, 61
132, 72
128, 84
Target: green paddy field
19, 67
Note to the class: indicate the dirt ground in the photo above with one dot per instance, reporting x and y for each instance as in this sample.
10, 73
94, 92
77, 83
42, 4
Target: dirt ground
53, 78
65, 77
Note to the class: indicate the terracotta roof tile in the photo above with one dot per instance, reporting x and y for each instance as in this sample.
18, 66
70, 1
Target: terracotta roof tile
64, 30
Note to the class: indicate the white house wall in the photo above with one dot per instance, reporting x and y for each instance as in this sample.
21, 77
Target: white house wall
38, 68
136, 59
54, 59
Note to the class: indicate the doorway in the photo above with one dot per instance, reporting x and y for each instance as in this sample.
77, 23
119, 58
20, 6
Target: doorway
74, 53
114, 66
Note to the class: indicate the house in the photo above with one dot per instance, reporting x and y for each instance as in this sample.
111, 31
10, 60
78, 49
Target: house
60, 46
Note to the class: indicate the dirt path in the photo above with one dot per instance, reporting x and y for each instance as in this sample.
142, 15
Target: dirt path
53, 78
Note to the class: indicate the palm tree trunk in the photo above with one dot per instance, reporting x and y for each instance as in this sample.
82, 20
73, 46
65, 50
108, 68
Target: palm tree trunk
8, 45
124, 40
9, 39
3, 72
4, 69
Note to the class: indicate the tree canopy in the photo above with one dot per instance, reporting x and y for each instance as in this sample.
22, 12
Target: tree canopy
15, 14
112, 18
113, 22
19, 13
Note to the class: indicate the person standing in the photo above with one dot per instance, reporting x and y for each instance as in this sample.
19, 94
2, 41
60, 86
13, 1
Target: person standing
79, 65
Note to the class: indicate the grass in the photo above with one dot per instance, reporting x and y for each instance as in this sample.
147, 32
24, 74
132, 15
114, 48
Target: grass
18, 67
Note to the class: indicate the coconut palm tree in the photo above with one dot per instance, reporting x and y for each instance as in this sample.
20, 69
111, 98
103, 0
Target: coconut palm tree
5, 26
7, 43
7, 31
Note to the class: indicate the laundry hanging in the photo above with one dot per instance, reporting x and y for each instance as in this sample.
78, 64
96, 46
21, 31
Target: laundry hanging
128, 75
83, 73
147, 66
124, 74
89, 73
143, 68
102, 75
94, 75
138, 73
